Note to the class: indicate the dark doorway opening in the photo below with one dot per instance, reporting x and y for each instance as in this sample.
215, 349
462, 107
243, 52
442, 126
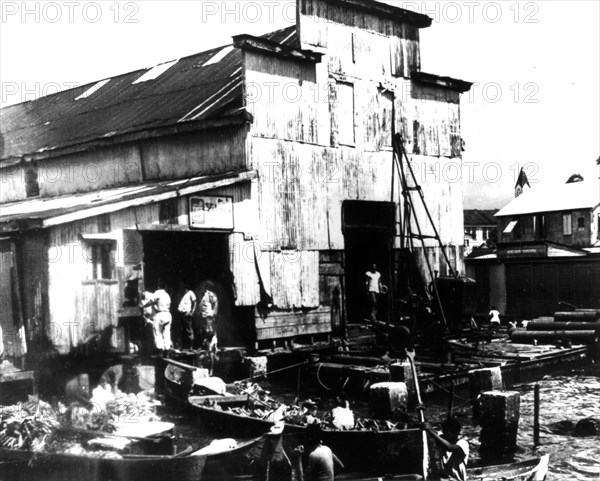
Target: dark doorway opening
368, 235
184, 256
192, 258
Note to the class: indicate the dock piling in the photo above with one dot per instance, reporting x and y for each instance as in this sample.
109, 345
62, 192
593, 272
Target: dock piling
499, 420
536, 415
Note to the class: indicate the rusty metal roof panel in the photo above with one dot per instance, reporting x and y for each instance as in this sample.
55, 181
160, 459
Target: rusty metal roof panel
120, 105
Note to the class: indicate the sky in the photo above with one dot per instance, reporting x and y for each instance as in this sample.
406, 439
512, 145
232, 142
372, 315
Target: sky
535, 102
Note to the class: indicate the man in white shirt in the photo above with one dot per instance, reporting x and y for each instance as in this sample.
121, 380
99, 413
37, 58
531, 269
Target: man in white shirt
186, 308
373, 278
162, 319
494, 318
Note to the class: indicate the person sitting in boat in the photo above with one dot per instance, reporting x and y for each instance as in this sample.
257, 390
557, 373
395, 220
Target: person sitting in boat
342, 416
103, 394
320, 461
310, 412
455, 450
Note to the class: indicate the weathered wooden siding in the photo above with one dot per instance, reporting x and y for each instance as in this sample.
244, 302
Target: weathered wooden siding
359, 41
430, 120
12, 184
34, 280
284, 98
12, 337
286, 324
79, 305
301, 194
198, 153
76, 173
553, 228
294, 278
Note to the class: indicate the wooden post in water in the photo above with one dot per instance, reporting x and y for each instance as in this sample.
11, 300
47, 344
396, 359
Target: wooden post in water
298, 388
451, 400
536, 414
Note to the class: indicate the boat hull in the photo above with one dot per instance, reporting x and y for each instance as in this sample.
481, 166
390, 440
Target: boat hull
28, 466
396, 451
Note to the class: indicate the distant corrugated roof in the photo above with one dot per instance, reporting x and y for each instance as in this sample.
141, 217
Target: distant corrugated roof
479, 217
551, 198
204, 86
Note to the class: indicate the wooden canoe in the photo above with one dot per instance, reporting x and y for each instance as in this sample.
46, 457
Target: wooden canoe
397, 451
18, 465
534, 469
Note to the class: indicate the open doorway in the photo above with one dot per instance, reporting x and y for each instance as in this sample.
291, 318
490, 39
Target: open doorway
184, 256
192, 258
368, 235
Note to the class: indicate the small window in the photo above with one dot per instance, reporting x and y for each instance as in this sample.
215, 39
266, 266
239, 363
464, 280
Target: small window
345, 111
539, 226
101, 257
567, 228
32, 186
581, 222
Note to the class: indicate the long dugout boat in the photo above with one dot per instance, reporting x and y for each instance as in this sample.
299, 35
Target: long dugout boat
397, 451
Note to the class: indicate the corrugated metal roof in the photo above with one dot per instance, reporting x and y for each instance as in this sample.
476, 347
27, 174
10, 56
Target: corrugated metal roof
48, 211
286, 36
551, 198
204, 86
122, 106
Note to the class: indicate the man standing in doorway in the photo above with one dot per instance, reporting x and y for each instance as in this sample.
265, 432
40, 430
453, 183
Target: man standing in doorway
209, 306
373, 279
186, 309
162, 319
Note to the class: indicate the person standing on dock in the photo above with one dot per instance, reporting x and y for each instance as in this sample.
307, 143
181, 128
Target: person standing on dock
186, 308
455, 450
373, 279
494, 318
162, 319
320, 462
209, 306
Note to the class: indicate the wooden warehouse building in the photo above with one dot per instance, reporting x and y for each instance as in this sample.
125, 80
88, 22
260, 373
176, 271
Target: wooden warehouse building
264, 165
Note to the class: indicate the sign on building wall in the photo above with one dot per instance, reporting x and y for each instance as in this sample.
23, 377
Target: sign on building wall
211, 213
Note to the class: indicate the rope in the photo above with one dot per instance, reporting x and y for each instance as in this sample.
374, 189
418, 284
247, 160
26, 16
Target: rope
321, 382
293, 366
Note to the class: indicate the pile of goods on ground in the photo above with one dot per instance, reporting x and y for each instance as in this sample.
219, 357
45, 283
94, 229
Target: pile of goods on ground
36, 426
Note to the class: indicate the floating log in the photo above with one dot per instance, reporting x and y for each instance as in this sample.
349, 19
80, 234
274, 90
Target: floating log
518, 335
562, 326
577, 316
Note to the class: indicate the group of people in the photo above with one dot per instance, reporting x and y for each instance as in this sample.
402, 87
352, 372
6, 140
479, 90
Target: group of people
194, 315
